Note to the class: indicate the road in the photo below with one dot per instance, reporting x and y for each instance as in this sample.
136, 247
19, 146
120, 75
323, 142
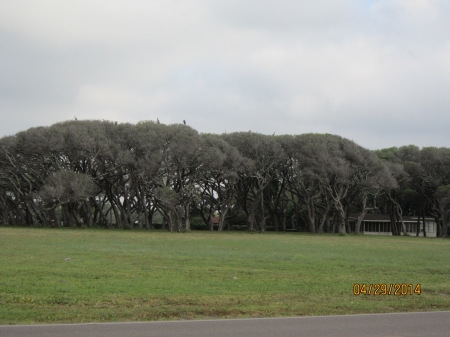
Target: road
424, 324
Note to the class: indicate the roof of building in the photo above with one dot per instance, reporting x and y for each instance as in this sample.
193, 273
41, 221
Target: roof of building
385, 217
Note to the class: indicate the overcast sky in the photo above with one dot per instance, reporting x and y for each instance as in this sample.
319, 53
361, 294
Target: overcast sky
374, 71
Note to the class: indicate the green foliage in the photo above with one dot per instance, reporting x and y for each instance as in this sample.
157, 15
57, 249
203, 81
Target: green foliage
388, 154
67, 186
197, 223
89, 171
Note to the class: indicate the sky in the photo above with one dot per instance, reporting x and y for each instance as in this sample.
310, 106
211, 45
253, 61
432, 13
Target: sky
374, 71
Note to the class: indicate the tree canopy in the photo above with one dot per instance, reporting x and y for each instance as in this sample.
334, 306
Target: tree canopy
101, 173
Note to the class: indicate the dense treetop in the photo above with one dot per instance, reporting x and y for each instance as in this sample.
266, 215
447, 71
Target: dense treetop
86, 173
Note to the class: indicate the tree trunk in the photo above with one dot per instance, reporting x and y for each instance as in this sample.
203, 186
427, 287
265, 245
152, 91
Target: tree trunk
117, 216
311, 216
292, 221
418, 226
222, 217
88, 213
400, 218
39, 214
144, 208
149, 222
56, 222
100, 213
4, 209
324, 219
263, 218
423, 222
283, 221
179, 218
187, 222
347, 216
74, 210
250, 221
164, 222
342, 225
274, 221
341, 218
328, 225
210, 223
169, 221
364, 211
443, 223
30, 215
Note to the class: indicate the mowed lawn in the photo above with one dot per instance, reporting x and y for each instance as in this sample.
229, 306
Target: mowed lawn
119, 275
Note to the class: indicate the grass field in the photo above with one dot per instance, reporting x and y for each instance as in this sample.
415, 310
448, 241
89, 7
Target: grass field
123, 275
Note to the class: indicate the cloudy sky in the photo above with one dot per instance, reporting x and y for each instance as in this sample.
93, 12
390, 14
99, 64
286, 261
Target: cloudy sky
374, 71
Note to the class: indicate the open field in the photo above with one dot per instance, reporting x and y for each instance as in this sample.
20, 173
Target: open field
123, 275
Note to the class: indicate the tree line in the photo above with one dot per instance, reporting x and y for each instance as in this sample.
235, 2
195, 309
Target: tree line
102, 173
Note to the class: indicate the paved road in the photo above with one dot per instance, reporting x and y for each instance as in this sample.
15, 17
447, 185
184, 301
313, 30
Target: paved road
426, 324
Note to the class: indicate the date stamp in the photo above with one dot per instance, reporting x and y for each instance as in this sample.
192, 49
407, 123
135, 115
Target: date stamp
385, 289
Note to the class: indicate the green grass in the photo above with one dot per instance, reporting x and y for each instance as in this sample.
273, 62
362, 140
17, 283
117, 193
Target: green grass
117, 275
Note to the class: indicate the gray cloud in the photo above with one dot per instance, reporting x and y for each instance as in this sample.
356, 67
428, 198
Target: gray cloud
377, 72
287, 16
